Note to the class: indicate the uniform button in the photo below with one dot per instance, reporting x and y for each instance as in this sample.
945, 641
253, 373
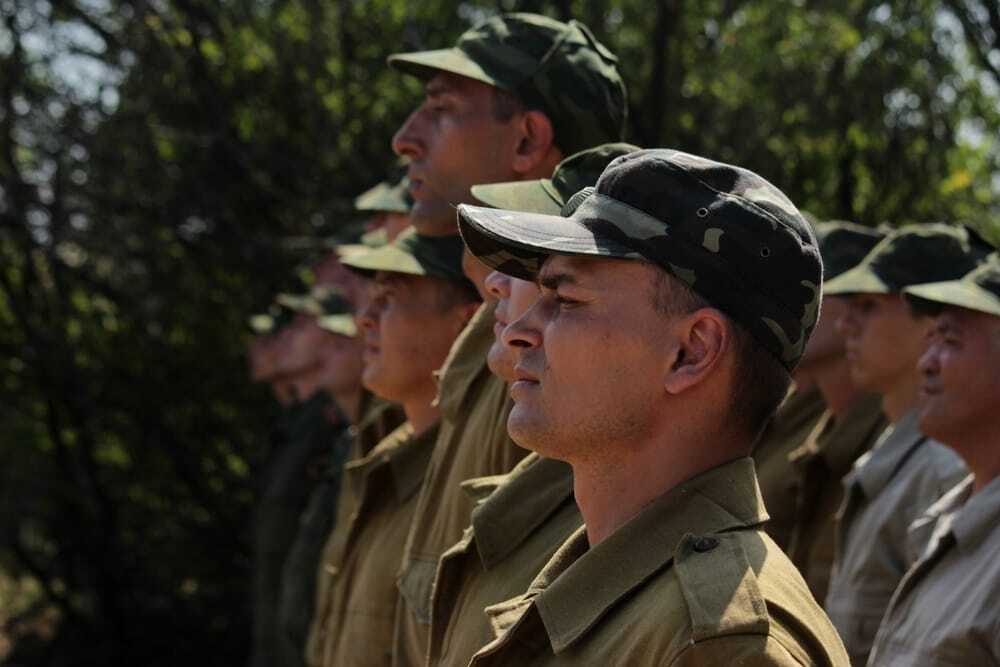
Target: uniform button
703, 544
332, 570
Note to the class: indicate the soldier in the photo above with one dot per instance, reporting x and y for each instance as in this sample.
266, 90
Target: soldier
847, 428
389, 205
905, 472
515, 95
525, 515
420, 301
944, 611
298, 455
676, 298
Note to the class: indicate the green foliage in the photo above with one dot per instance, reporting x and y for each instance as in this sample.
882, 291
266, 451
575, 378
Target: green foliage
153, 156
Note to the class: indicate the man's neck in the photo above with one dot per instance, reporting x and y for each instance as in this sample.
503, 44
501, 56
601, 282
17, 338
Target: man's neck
902, 397
421, 410
979, 447
349, 403
611, 492
833, 378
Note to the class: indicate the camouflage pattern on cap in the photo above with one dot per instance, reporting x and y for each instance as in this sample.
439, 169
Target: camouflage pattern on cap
978, 290
387, 197
559, 68
913, 254
549, 195
843, 245
416, 255
724, 231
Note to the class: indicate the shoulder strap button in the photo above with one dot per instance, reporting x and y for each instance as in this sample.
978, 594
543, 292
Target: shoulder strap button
704, 544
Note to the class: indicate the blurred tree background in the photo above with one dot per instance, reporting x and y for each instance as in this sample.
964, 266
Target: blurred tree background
154, 154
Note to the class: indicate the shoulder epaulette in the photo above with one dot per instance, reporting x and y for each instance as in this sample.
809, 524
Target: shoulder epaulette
719, 587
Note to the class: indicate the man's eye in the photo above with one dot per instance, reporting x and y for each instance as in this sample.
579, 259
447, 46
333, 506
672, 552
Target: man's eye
565, 301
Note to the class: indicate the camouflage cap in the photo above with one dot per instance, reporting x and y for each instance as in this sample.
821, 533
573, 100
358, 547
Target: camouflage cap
416, 255
549, 195
327, 304
559, 68
724, 231
263, 324
913, 254
389, 196
843, 245
977, 290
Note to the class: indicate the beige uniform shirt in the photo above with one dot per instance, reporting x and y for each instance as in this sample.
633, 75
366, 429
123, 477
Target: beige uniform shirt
473, 442
527, 515
818, 467
791, 425
945, 611
888, 489
356, 625
691, 580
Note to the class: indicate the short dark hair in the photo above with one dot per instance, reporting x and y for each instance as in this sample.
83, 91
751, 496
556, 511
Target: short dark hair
456, 293
761, 381
506, 105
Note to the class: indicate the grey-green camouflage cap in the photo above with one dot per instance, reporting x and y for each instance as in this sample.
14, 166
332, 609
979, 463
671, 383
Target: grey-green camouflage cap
911, 255
842, 245
559, 68
977, 290
327, 304
724, 231
549, 195
387, 197
416, 255
263, 324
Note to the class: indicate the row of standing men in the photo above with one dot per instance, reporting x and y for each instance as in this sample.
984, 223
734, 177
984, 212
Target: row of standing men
606, 424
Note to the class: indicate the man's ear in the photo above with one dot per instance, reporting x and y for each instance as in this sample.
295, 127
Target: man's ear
536, 146
464, 313
701, 339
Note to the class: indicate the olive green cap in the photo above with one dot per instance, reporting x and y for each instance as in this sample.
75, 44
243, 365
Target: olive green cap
843, 245
416, 255
911, 255
559, 68
549, 195
269, 322
326, 304
977, 290
389, 196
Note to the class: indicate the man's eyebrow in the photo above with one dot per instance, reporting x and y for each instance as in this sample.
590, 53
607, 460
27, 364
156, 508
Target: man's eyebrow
553, 280
435, 88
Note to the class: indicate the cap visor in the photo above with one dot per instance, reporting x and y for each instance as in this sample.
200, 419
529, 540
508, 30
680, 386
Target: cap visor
517, 243
859, 280
425, 64
528, 196
386, 258
342, 325
957, 293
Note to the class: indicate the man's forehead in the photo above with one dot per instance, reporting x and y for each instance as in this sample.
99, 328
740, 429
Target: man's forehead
444, 83
579, 269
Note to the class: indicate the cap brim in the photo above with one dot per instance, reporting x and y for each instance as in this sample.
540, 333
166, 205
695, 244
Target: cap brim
262, 324
517, 243
342, 325
345, 250
957, 293
528, 196
425, 64
859, 280
385, 258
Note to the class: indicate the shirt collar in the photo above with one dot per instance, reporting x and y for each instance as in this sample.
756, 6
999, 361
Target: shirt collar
888, 455
519, 505
466, 361
839, 442
404, 455
978, 517
724, 498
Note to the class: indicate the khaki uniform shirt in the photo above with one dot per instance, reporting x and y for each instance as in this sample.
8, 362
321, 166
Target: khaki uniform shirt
473, 442
691, 580
889, 488
818, 467
945, 611
357, 619
790, 427
527, 515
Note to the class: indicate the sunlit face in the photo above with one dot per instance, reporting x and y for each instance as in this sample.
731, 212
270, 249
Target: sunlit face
960, 372
589, 359
882, 339
298, 345
454, 141
407, 332
514, 298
